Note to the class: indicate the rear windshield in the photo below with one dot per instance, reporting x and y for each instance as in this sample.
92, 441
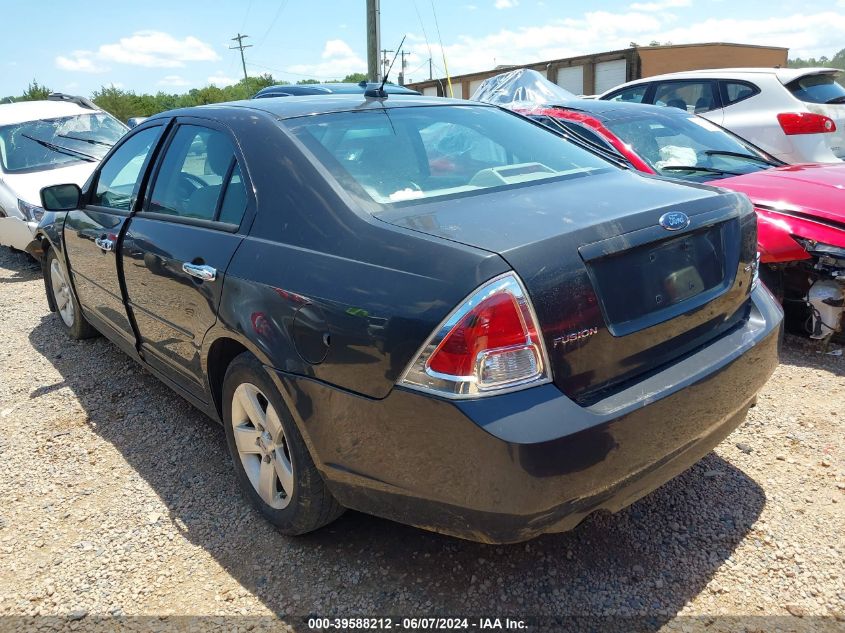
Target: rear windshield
401, 155
817, 89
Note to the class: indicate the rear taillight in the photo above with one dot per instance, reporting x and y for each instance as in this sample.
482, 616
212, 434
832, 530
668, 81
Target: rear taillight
489, 344
805, 123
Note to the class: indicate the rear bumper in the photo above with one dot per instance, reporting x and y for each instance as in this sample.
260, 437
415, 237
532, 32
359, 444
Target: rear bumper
511, 467
16, 232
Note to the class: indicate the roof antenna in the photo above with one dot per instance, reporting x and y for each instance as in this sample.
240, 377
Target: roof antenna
379, 93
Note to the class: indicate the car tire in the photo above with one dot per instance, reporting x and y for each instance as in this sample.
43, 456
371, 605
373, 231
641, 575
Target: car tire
64, 299
272, 463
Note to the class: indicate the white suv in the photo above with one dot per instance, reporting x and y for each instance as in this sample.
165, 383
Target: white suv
796, 114
46, 143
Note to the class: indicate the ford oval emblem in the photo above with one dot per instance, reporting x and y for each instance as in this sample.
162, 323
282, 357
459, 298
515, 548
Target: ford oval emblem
674, 221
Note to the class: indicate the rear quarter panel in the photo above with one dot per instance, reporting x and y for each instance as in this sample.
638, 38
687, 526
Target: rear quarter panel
323, 289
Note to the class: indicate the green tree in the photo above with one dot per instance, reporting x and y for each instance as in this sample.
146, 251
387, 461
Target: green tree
354, 78
35, 92
120, 103
307, 82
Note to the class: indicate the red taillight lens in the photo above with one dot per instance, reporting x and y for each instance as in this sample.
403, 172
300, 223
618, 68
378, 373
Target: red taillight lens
805, 123
489, 343
492, 324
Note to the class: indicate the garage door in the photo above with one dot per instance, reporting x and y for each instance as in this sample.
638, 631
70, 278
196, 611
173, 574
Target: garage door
473, 86
571, 79
430, 91
610, 74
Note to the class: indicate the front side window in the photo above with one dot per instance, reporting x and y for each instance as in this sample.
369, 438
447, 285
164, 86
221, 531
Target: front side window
59, 142
196, 171
689, 96
117, 183
412, 153
687, 147
634, 94
817, 89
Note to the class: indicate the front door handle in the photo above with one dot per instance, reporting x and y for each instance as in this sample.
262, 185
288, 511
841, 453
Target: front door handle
104, 243
206, 273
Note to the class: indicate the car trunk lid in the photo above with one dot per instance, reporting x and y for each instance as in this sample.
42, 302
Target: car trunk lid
616, 294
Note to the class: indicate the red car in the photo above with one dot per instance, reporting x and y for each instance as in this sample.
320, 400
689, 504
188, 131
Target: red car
801, 208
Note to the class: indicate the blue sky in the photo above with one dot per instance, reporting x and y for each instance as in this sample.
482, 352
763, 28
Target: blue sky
174, 45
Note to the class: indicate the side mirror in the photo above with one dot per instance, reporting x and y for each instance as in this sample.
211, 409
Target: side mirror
61, 197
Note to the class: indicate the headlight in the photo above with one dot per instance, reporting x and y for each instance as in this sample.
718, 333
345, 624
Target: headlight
818, 248
31, 212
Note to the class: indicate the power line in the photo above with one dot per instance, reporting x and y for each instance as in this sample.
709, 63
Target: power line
425, 35
241, 46
282, 5
289, 72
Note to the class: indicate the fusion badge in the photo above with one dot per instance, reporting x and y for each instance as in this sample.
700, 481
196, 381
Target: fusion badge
674, 220
575, 336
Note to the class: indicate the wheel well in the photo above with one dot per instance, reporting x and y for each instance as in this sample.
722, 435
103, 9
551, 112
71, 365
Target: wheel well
223, 351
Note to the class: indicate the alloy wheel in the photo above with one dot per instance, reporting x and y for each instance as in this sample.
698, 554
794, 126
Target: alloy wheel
262, 446
61, 293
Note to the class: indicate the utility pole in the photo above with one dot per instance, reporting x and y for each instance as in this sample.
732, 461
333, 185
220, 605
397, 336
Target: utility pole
373, 38
430, 74
403, 66
385, 61
241, 46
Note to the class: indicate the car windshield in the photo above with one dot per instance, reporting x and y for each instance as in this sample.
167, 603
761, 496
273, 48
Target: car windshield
52, 143
817, 89
688, 147
401, 155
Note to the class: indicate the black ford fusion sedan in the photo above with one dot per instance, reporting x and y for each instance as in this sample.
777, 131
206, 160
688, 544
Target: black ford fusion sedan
433, 311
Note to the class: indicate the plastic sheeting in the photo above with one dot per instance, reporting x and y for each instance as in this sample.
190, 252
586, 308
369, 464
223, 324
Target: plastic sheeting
522, 89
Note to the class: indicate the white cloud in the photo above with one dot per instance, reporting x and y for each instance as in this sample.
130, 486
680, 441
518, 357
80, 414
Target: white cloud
806, 35
173, 80
221, 80
80, 61
150, 49
335, 49
506, 4
157, 49
339, 60
660, 5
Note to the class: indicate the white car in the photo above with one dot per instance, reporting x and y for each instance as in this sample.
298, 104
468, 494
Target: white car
795, 114
60, 140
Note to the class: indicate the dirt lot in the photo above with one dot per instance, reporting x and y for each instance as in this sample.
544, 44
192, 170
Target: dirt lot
118, 501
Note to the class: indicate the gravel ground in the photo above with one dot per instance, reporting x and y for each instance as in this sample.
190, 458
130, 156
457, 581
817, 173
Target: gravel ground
118, 501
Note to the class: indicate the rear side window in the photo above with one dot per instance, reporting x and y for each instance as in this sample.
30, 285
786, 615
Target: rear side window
690, 96
199, 177
817, 89
736, 91
118, 179
634, 94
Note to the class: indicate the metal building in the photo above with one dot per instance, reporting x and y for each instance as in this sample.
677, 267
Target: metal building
597, 73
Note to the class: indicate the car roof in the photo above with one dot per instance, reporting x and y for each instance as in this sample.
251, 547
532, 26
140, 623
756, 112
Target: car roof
785, 75
291, 107
610, 110
329, 88
22, 111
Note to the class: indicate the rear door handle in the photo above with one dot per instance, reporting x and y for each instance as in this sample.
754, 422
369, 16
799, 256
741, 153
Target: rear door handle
104, 243
206, 273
